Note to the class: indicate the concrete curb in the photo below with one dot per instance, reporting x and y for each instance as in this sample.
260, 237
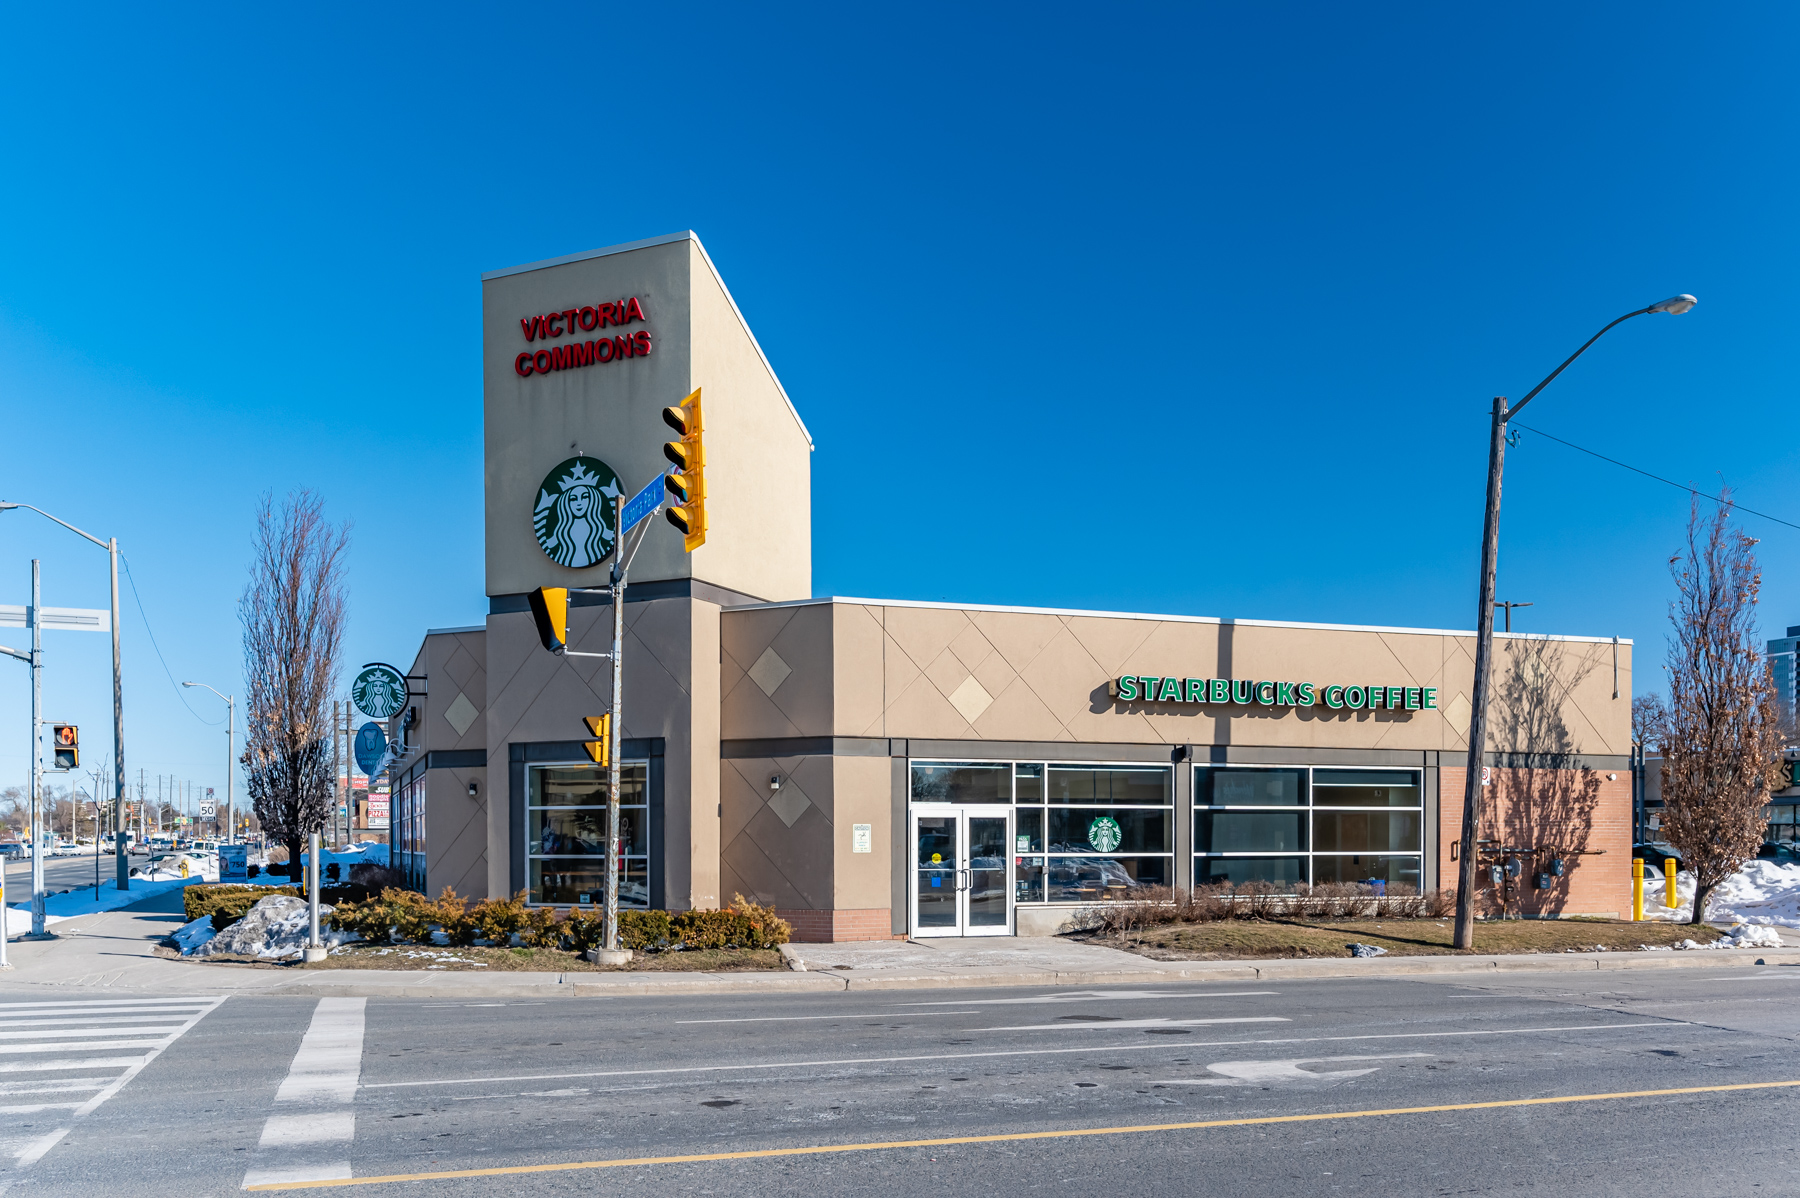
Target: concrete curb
410, 984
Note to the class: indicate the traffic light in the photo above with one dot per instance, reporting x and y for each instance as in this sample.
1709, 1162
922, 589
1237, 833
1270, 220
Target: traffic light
687, 484
550, 608
598, 750
67, 740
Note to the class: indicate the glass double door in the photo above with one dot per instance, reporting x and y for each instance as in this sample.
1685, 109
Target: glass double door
962, 871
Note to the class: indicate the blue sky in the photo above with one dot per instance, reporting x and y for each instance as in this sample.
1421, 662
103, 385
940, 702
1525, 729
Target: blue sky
1191, 309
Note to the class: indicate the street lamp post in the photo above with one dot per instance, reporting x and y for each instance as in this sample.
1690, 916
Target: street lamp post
230, 764
123, 867
1484, 618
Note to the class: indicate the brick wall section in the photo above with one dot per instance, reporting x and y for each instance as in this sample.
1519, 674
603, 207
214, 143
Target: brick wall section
827, 927
1550, 810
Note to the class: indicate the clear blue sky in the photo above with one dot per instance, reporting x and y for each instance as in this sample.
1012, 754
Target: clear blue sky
1186, 309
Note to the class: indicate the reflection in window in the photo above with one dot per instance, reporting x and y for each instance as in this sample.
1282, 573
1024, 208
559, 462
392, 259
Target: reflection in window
962, 782
565, 828
1294, 825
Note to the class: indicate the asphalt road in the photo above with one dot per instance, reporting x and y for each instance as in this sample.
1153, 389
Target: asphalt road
251, 1090
60, 873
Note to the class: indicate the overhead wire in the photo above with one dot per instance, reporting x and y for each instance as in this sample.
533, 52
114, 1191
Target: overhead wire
1659, 478
180, 691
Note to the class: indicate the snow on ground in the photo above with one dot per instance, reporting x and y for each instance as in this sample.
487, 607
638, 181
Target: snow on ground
1763, 893
58, 907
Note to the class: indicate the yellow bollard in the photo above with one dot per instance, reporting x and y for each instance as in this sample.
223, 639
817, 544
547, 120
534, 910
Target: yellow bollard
1637, 889
1668, 881
184, 859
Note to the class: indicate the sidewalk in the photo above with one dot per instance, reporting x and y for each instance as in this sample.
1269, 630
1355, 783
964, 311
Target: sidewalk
113, 951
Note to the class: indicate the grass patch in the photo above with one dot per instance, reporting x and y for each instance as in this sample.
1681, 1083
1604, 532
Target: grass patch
1263, 939
485, 959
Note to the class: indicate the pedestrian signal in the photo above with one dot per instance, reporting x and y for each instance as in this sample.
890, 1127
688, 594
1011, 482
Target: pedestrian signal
686, 484
599, 751
67, 741
550, 608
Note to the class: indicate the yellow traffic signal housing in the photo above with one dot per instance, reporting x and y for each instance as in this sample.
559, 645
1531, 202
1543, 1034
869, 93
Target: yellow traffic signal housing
598, 750
687, 484
550, 608
67, 741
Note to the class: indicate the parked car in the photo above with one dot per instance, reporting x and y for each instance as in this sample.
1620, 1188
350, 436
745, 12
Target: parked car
1779, 850
1655, 854
65, 848
13, 848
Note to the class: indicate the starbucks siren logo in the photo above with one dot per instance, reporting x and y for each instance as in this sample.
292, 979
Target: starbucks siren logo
1104, 834
380, 691
573, 518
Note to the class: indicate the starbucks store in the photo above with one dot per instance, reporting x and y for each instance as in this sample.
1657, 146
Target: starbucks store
882, 768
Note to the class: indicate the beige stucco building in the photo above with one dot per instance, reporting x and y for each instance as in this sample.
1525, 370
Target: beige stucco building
879, 768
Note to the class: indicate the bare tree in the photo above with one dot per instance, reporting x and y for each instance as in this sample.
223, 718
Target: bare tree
1722, 738
293, 613
1649, 716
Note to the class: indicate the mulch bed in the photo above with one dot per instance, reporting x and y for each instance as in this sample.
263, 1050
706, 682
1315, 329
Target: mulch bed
1253, 939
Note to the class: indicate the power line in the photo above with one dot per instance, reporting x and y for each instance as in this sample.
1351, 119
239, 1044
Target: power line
179, 692
1659, 478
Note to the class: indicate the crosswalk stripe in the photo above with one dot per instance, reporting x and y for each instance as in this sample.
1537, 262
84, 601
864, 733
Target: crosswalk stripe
40, 1033
79, 1044
72, 1063
76, 1045
323, 1077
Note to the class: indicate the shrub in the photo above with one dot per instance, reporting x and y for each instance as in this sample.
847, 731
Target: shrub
1152, 906
499, 920
226, 904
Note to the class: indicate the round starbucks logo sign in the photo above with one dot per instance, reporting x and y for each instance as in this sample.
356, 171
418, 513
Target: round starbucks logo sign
380, 691
573, 517
1104, 834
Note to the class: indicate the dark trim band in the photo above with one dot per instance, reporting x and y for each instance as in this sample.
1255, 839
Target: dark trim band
637, 592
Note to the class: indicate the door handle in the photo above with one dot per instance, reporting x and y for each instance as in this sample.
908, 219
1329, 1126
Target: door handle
965, 878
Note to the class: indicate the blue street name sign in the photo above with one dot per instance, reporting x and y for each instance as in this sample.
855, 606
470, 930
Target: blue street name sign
643, 505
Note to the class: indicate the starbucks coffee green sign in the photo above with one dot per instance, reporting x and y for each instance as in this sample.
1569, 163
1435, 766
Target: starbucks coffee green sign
1227, 692
1105, 835
380, 691
573, 516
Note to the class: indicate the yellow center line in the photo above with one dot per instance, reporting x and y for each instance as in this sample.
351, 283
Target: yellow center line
1007, 1137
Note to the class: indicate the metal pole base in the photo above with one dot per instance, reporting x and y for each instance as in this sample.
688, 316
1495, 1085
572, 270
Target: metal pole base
310, 954
609, 956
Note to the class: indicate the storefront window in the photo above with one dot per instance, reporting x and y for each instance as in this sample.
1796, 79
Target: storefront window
1294, 825
565, 829
1081, 833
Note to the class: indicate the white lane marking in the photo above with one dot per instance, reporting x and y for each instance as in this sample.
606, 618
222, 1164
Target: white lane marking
324, 1076
335, 1171
805, 1018
94, 1033
73, 1063
1095, 996
78, 1046
329, 1062
1258, 1073
133, 1070
1118, 1025
54, 1088
1184, 1046
198, 1000
35, 1150
34, 1109
123, 1023
286, 1131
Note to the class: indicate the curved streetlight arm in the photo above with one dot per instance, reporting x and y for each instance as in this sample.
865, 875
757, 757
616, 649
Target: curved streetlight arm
1514, 410
46, 515
213, 689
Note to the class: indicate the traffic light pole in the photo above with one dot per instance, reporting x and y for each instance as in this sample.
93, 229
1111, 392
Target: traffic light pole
613, 845
37, 753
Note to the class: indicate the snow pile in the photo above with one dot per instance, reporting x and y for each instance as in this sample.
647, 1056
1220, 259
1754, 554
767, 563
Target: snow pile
1764, 893
274, 930
1367, 950
191, 936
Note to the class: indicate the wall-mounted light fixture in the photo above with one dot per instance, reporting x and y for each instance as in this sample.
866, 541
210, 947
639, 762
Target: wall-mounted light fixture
474, 788
775, 782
